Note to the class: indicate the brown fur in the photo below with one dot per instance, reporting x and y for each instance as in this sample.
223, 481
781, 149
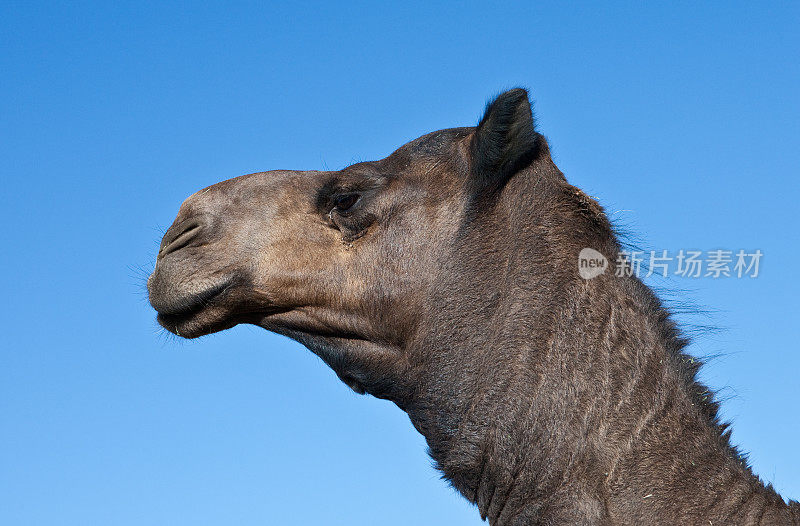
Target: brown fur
444, 278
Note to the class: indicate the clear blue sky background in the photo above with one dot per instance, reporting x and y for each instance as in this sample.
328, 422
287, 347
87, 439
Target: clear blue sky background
683, 120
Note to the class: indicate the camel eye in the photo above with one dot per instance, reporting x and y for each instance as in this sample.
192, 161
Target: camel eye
345, 202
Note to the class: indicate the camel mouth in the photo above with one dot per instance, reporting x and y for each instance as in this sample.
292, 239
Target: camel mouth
196, 315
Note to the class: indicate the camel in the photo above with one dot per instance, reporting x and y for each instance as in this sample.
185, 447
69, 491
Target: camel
445, 279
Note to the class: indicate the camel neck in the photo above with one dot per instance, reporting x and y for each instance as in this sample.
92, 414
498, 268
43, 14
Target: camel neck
592, 403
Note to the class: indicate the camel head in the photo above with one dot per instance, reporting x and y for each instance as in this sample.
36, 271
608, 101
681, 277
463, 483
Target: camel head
343, 261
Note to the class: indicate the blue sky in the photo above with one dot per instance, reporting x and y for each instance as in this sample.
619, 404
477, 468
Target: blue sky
681, 119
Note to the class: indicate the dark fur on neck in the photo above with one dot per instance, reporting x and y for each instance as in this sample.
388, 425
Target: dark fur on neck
574, 402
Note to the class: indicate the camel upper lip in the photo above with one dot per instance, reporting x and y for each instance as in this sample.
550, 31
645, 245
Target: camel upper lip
192, 304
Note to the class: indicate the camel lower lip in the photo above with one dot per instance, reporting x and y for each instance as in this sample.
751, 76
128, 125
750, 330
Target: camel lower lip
187, 326
186, 320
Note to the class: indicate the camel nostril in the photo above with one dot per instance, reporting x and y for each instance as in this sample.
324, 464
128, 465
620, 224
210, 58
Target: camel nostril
177, 238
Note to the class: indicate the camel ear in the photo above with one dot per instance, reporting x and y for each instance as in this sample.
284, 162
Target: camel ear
505, 140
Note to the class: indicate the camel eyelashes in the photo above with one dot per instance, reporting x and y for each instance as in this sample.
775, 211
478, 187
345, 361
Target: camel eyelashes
345, 202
